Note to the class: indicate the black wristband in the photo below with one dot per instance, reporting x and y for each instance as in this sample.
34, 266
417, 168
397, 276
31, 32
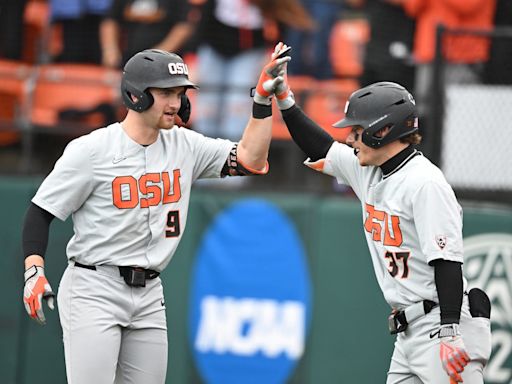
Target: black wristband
260, 111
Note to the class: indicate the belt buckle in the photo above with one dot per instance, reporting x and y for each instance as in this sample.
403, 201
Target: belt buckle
394, 325
136, 277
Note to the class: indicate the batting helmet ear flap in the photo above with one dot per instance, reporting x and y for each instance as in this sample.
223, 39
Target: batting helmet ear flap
185, 108
144, 99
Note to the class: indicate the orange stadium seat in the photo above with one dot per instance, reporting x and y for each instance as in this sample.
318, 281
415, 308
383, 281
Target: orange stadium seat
15, 79
327, 105
67, 96
346, 46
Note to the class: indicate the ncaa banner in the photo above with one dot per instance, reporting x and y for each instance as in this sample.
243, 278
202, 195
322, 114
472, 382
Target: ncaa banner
488, 265
250, 302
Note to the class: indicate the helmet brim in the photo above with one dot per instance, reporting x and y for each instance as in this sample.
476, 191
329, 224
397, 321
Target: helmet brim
343, 123
172, 83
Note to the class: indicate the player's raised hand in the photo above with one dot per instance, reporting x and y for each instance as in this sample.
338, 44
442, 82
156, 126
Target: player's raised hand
284, 95
271, 75
36, 289
452, 352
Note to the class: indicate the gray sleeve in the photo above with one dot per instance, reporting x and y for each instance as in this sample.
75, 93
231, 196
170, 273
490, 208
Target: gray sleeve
341, 163
438, 220
210, 156
70, 182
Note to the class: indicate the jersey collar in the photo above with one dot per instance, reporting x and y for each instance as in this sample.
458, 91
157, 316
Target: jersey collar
398, 161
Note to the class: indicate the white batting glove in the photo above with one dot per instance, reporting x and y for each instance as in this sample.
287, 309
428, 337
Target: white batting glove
36, 289
452, 352
284, 95
271, 75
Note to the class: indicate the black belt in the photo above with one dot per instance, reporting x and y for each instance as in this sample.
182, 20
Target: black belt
398, 321
133, 276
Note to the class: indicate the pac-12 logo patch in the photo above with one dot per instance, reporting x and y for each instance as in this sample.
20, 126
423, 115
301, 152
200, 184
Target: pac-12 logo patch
250, 302
441, 241
488, 265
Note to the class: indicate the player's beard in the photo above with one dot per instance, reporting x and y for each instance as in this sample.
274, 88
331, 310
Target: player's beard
166, 121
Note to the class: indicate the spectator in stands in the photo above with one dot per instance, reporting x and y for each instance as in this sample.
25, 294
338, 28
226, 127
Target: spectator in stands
311, 57
499, 67
80, 21
134, 25
11, 28
464, 55
388, 54
231, 47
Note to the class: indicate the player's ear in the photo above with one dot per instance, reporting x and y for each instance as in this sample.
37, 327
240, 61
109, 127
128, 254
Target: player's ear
134, 98
383, 131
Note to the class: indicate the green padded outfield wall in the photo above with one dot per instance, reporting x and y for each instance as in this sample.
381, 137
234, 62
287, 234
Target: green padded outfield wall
347, 340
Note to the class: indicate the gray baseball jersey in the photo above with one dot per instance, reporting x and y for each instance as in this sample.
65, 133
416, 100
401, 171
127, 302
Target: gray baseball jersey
129, 202
129, 205
411, 217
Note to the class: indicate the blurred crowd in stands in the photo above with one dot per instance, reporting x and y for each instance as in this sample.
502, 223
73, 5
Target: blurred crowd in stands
338, 45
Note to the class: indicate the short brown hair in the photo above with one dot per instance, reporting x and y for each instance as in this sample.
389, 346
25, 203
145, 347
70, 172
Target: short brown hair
413, 138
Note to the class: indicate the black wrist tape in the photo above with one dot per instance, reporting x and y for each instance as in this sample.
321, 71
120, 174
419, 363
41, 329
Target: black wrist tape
260, 111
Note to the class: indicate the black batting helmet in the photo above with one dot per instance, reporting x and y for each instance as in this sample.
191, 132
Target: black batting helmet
380, 105
152, 68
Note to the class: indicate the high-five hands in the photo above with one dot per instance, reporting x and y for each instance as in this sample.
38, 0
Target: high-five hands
272, 75
36, 289
284, 96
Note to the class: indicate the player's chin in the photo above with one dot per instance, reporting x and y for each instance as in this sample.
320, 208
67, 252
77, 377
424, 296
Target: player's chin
167, 122
362, 160
357, 153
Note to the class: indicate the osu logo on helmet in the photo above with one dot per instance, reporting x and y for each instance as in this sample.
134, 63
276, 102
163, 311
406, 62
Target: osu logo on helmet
178, 68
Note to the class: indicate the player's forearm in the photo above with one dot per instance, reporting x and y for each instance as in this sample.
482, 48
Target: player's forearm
255, 142
109, 33
109, 39
36, 228
309, 136
176, 37
449, 284
36, 260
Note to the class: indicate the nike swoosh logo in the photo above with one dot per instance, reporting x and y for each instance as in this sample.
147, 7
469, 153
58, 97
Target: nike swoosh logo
434, 334
116, 160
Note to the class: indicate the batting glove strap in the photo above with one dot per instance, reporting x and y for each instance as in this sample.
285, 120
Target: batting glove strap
453, 354
449, 330
36, 289
285, 99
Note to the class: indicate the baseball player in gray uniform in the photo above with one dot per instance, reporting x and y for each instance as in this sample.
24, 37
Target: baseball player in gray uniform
413, 227
127, 187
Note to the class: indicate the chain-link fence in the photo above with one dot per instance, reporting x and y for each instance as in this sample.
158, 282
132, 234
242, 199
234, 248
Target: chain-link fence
468, 119
464, 117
